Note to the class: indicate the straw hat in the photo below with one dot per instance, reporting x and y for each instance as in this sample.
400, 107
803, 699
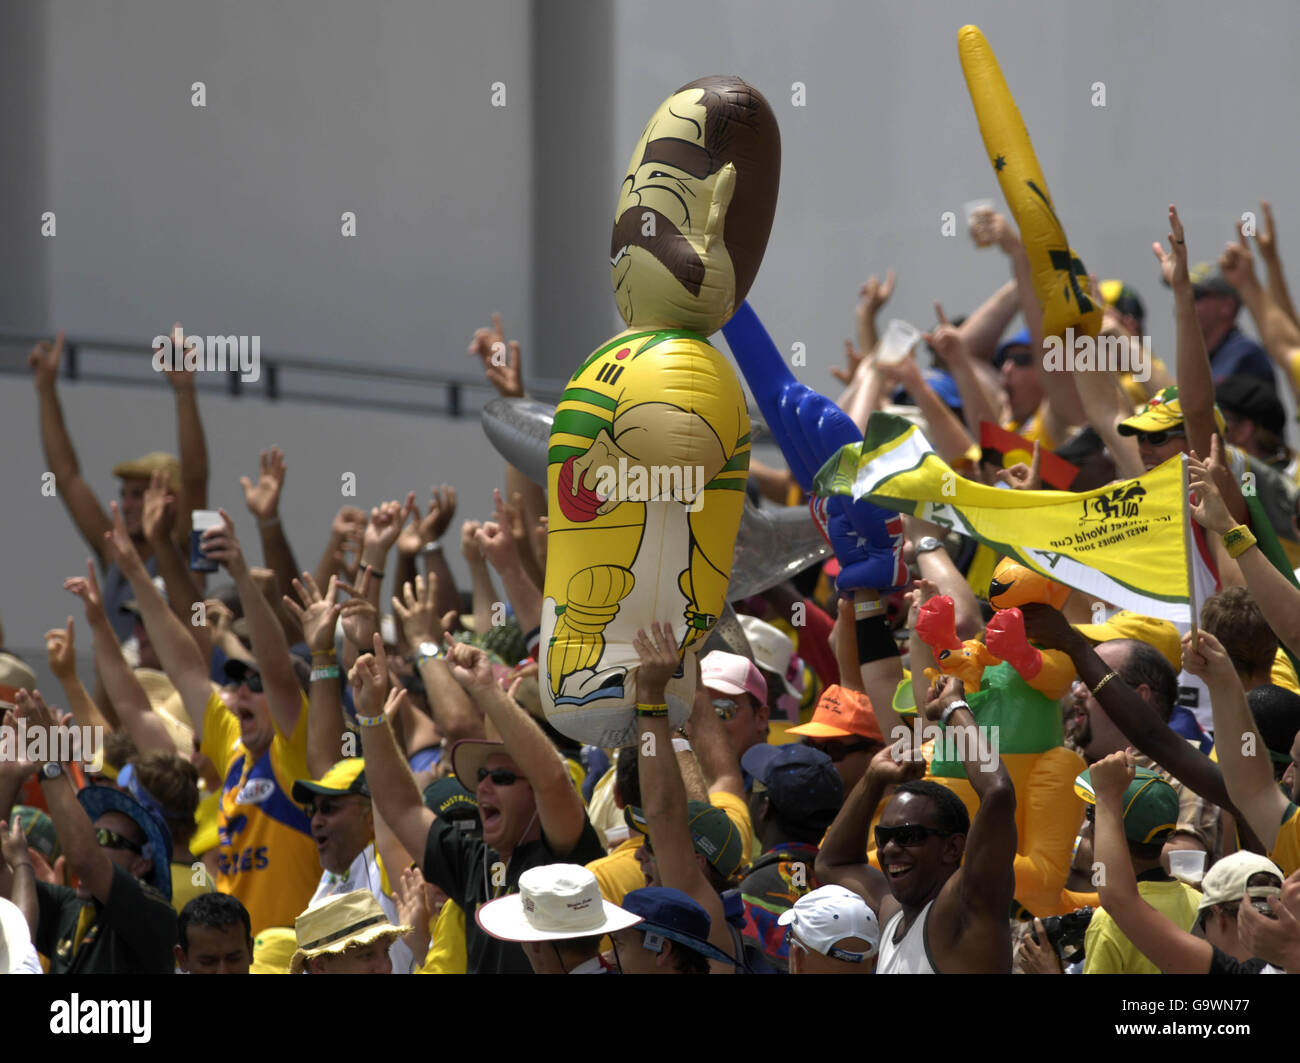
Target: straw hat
335, 923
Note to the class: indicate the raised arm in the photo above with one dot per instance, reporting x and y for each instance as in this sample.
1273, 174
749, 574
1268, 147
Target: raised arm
270, 648
317, 616
1195, 381
346, 532
1136, 720
1156, 936
263, 500
559, 805
60, 652
60, 457
193, 444
422, 537
1243, 757
663, 795
158, 521
946, 431
85, 859
977, 403
130, 702
498, 545
1267, 240
393, 791
983, 328
482, 593
842, 858
452, 708
177, 651
1278, 331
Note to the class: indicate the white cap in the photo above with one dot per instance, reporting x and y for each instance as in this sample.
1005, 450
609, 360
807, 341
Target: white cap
829, 915
17, 955
554, 902
772, 648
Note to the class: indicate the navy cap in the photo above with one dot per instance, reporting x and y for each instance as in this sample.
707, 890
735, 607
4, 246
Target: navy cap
1017, 339
97, 800
801, 782
675, 915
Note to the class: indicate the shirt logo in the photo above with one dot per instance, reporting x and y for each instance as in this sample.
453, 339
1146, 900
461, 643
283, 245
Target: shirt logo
255, 791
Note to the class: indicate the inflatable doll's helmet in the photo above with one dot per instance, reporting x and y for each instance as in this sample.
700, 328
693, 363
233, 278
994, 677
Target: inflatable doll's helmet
1015, 584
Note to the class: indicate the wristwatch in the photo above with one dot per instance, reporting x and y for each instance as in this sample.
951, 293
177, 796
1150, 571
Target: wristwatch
52, 770
947, 713
928, 543
431, 548
427, 651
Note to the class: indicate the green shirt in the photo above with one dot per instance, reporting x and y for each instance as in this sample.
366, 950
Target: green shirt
133, 933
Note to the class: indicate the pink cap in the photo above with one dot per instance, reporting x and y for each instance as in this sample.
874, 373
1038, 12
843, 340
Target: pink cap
732, 674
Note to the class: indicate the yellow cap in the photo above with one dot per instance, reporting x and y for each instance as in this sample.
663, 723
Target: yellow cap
1160, 634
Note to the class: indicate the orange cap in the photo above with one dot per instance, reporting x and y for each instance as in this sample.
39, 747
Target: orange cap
841, 713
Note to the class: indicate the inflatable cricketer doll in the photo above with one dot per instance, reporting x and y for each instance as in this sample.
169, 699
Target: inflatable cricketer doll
649, 449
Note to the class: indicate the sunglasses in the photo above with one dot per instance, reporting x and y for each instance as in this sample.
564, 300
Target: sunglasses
250, 679
1021, 359
111, 840
837, 751
326, 807
909, 835
1159, 439
499, 776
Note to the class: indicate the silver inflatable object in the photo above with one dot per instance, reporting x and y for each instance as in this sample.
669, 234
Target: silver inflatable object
772, 545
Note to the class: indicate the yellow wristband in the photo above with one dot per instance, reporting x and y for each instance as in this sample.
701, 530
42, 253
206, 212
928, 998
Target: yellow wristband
1238, 540
652, 710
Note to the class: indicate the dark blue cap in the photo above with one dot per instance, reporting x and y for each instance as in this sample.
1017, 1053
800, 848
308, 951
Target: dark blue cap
801, 782
1016, 339
674, 915
97, 800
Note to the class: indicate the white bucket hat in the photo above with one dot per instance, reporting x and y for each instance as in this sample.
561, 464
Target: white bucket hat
554, 902
16, 952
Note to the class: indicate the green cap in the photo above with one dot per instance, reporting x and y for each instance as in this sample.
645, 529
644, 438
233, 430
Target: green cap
39, 830
712, 831
1150, 806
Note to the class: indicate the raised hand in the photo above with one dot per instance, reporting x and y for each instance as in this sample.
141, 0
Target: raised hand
44, 361
942, 693
988, 227
469, 547
180, 378
501, 361
430, 527
60, 651
417, 611
1024, 477
872, 296
471, 666
87, 589
1209, 661
386, 524
118, 542
946, 338
1112, 774
360, 616
221, 544
370, 680
660, 660
1208, 506
1266, 235
158, 513
1237, 264
497, 545
853, 357
896, 763
263, 497
318, 614
1173, 266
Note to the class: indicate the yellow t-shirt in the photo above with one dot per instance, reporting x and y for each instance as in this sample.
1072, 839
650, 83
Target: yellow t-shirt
268, 859
447, 952
1109, 951
1286, 847
183, 888
1033, 430
1283, 673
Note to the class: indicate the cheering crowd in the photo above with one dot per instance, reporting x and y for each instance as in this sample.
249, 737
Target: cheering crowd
348, 770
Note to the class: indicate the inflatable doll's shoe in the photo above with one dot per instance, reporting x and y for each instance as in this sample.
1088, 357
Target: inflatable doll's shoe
589, 687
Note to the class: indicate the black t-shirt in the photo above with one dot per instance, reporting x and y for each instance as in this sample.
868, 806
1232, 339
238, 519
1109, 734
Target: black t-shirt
133, 933
460, 865
1222, 963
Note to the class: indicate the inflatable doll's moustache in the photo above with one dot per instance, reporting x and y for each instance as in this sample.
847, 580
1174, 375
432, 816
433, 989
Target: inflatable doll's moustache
646, 227
772, 546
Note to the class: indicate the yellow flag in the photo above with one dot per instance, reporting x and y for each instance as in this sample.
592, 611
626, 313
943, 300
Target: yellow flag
1129, 543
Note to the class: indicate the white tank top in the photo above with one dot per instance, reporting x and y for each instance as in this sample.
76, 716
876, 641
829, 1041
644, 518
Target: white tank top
912, 954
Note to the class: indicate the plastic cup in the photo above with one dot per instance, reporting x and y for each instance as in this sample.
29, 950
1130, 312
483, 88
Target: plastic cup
1187, 865
897, 342
200, 521
974, 206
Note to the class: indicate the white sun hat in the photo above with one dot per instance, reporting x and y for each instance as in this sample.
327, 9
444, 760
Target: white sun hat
554, 902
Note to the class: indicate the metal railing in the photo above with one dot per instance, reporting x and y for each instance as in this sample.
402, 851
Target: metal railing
283, 377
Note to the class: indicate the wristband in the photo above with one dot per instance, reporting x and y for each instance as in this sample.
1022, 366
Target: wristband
1238, 540
371, 721
324, 653
875, 641
329, 672
958, 704
434, 547
652, 710
864, 610
267, 522
1102, 682
366, 565
681, 745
